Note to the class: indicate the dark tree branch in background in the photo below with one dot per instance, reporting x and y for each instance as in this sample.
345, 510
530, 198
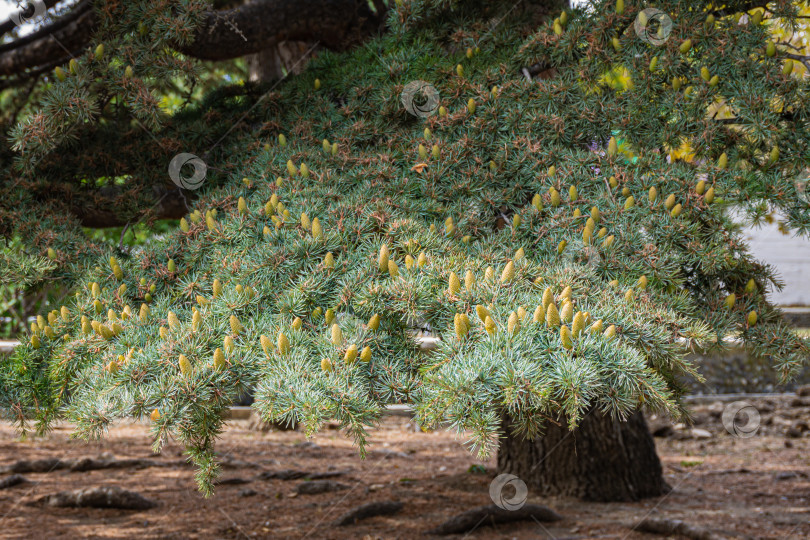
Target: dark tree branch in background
799, 58
336, 24
18, 79
171, 204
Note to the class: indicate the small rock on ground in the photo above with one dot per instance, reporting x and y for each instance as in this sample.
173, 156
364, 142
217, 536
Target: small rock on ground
12, 480
98, 497
379, 508
491, 515
319, 486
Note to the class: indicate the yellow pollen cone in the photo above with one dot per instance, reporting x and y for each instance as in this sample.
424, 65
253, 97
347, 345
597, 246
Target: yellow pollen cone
489, 325
383, 258
539, 314
552, 316
548, 298
555, 197
219, 359
337, 336
567, 312
236, 326
265, 342
454, 284
578, 325
629, 295
184, 364
283, 344
469, 280
351, 354
508, 272
513, 323
751, 286
565, 337
459, 326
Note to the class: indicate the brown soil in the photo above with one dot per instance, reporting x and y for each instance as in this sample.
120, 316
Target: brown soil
741, 488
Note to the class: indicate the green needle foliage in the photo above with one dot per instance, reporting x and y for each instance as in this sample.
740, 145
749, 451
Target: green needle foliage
562, 255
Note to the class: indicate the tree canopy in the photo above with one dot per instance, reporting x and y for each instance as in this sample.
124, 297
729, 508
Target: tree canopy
553, 194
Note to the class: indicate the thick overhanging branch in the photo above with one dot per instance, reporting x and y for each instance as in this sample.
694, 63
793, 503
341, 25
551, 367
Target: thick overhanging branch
263, 23
224, 35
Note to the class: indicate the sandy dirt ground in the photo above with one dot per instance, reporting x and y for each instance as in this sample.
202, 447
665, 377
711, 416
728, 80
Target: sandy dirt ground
756, 487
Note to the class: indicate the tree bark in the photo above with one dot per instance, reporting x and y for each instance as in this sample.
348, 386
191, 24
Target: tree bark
602, 460
271, 64
336, 24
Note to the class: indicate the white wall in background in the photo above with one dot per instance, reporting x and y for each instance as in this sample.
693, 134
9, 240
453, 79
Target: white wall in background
7, 7
791, 257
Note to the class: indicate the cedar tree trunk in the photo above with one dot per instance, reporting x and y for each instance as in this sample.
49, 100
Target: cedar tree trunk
602, 460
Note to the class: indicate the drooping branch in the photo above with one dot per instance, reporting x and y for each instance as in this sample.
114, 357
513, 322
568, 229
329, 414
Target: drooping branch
223, 35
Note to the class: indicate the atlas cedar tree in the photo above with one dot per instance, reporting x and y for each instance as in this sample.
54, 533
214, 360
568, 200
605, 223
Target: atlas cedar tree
580, 197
